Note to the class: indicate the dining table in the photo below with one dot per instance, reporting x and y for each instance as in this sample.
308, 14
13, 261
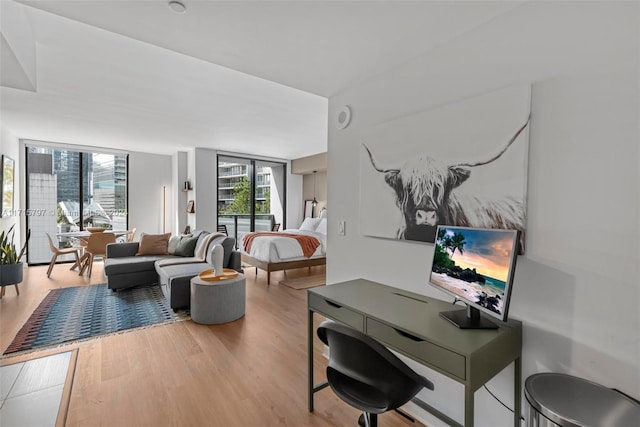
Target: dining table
83, 237
84, 234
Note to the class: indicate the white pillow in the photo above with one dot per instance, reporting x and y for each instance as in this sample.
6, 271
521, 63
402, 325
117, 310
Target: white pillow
322, 226
173, 244
309, 224
323, 213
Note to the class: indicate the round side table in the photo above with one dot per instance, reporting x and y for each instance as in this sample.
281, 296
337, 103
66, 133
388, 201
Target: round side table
567, 401
218, 301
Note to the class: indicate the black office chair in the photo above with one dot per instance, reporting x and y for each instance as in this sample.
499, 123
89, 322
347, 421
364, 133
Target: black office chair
365, 374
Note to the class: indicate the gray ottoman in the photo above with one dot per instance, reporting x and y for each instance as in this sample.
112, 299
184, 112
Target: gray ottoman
219, 301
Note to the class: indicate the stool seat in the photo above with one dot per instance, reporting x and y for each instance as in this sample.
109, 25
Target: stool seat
570, 401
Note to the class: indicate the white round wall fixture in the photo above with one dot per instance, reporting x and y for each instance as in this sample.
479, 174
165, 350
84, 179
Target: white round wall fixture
343, 117
177, 6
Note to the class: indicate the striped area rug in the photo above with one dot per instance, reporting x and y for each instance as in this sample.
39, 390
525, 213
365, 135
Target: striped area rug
82, 312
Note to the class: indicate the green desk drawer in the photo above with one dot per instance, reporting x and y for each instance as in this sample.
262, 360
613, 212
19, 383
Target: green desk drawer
336, 312
432, 355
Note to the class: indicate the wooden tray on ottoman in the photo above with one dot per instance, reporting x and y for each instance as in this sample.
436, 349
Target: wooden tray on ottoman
209, 275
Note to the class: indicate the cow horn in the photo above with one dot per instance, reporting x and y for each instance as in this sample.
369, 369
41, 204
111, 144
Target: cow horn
373, 162
513, 138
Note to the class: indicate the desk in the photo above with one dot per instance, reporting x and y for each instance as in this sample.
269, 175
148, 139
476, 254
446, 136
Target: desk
410, 324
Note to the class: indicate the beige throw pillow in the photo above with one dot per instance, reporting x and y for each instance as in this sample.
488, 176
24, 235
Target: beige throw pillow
153, 244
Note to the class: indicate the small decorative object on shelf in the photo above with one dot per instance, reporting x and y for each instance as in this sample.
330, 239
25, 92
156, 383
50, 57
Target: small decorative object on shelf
191, 208
187, 186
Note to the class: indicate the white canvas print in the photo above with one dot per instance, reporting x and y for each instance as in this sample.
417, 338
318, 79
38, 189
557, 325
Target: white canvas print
461, 164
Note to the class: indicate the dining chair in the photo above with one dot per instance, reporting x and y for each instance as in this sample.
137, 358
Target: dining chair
56, 251
96, 247
131, 235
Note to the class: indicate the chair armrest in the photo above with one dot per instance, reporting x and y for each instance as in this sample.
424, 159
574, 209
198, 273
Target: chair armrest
235, 261
120, 250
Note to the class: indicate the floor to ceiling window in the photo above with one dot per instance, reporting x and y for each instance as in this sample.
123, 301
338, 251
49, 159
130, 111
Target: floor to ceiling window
70, 190
251, 195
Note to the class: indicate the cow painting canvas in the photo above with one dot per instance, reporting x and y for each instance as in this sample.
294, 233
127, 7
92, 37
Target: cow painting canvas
461, 164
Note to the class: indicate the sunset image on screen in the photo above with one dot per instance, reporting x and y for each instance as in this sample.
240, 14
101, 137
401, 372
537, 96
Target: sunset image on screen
474, 264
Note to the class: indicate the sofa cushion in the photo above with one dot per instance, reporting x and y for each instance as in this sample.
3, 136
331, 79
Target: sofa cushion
173, 244
128, 265
174, 260
186, 246
153, 244
168, 272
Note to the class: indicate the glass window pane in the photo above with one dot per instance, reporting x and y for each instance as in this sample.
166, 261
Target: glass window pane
106, 198
234, 195
269, 195
55, 180
237, 192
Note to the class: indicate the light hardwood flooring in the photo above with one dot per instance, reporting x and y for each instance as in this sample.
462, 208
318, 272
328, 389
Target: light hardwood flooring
251, 372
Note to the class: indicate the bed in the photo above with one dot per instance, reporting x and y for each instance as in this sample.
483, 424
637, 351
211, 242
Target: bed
287, 249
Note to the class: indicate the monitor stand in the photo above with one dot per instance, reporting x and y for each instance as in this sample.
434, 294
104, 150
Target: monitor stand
468, 319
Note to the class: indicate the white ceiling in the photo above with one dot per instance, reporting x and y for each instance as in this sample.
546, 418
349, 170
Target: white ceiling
242, 76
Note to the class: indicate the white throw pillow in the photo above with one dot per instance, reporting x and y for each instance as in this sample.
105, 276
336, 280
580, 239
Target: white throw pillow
323, 214
173, 244
309, 224
322, 226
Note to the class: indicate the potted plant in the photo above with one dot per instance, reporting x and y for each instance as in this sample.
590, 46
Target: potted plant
11, 268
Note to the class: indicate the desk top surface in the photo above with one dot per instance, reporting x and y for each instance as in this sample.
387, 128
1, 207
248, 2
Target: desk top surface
414, 313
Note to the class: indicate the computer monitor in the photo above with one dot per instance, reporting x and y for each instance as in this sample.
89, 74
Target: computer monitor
475, 266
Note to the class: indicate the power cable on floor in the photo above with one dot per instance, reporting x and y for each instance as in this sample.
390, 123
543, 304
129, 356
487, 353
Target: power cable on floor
500, 401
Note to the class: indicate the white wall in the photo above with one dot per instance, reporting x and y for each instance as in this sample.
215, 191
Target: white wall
204, 185
295, 201
576, 289
179, 176
148, 174
9, 146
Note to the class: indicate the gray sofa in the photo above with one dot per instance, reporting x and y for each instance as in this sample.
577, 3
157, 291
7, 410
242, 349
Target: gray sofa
124, 269
175, 278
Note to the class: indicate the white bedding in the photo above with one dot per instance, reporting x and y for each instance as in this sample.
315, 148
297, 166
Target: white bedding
274, 248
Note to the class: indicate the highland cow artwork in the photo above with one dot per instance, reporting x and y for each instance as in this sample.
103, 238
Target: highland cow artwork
462, 164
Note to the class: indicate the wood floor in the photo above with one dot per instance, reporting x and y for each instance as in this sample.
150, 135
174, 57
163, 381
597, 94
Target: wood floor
251, 372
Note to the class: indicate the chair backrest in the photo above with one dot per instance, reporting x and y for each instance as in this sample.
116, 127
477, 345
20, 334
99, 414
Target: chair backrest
222, 228
53, 247
97, 242
364, 373
131, 235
